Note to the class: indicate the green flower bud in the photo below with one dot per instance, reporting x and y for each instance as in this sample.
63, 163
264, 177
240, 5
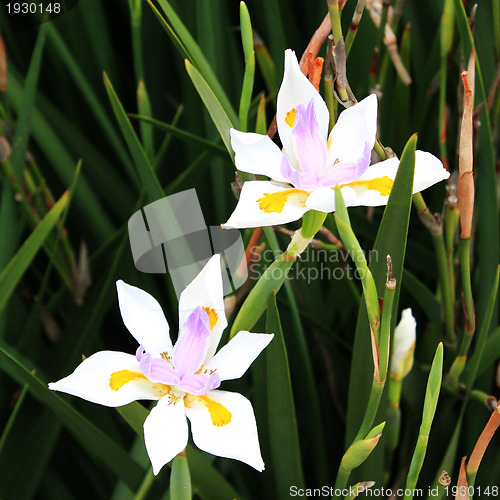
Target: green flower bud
359, 451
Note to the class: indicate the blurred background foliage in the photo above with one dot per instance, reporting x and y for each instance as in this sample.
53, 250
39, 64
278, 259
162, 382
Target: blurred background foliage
57, 295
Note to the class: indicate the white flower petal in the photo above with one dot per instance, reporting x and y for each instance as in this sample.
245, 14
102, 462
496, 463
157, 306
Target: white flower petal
236, 439
108, 378
297, 89
355, 127
373, 187
405, 335
256, 154
144, 318
277, 209
322, 200
165, 432
206, 291
234, 359
429, 170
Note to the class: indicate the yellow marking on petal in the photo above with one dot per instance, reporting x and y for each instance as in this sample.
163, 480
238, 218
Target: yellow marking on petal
381, 184
122, 377
290, 117
219, 414
275, 202
329, 142
212, 316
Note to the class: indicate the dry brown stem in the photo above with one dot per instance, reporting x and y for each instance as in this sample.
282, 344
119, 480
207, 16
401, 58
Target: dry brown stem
465, 155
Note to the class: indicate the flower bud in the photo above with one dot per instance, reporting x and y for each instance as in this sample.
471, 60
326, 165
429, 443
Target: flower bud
403, 346
359, 451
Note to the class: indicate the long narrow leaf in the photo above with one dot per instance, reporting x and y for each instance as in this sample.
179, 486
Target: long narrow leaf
283, 432
14, 271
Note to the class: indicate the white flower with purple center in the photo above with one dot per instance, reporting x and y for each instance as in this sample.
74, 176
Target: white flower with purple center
304, 174
182, 377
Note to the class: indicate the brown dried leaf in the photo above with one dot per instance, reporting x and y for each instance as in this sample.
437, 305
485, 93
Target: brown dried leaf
465, 154
462, 484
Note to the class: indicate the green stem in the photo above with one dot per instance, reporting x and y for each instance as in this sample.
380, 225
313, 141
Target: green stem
342, 478
380, 374
380, 150
333, 9
466, 283
353, 29
385, 326
458, 365
435, 227
146, 484
371, 409
355, 251
496, 26
430, 404
383, 21
331, 102
450, 226
180, 479
444, 282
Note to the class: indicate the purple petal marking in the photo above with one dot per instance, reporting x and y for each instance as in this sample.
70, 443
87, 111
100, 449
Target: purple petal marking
364, 162
309, 144
158, 370
193, 343
199, 383
342, 173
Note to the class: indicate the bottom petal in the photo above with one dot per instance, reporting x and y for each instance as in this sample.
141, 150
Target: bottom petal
223, 424
165, 432
265, 203
323, 198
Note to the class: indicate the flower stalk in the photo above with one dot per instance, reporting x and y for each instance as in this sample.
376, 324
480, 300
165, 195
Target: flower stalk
356, 454
180, 478
466, 209
435, 226
353, 28
340, 54
430, 404
356, 252
331, 103
380, 354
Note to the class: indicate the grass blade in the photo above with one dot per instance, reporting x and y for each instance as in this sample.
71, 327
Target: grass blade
14, 271
283, 432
